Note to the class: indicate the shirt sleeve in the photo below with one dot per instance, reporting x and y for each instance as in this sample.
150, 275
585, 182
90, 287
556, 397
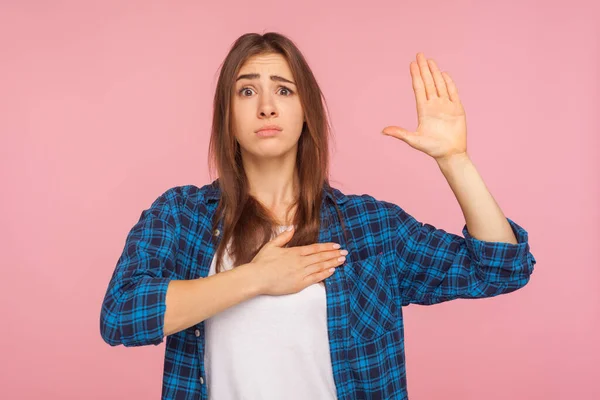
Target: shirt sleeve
134, 305
436, 266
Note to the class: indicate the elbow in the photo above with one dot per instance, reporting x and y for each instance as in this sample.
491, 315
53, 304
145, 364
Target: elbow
493, 281
522, 273
517, 284
135, 316
113, 332
515, 272
110, 331
127, 328
110, 340
512, 286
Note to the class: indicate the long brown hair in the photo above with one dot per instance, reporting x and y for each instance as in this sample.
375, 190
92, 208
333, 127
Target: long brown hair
246, 222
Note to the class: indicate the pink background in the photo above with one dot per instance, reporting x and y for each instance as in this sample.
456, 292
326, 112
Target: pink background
104, 105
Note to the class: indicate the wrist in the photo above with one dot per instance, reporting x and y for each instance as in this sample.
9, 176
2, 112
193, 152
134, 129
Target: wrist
449, 163
251, 278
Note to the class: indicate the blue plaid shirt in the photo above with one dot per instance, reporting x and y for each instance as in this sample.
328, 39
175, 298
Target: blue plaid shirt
393, 261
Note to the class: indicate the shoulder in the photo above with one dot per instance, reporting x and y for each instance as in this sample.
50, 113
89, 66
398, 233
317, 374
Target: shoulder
366, 209
370, 222
192, 194
183, 200
364, 201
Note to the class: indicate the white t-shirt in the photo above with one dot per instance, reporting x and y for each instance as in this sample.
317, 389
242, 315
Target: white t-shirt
270, 347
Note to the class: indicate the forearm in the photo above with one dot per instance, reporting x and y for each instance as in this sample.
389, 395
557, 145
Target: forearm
484, 218
189, 302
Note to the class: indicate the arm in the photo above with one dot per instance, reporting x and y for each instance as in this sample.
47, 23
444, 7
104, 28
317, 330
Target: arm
143, 303
484, 218
192, 301
133, 310
134, 304
493, 257
434, 266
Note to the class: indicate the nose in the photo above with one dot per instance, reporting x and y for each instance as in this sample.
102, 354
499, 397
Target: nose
267, 108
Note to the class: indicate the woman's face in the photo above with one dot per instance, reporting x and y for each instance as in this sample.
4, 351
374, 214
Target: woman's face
265, 94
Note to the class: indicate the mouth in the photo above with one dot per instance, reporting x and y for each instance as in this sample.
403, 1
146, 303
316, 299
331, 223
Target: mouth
269, 131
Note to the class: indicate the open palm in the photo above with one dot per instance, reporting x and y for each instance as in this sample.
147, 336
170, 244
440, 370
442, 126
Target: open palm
442, 125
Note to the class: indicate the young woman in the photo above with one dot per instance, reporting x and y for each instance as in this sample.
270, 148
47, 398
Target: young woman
241, 274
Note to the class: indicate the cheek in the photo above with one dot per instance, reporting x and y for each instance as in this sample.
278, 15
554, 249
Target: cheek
239, 111
293, 112
242, 118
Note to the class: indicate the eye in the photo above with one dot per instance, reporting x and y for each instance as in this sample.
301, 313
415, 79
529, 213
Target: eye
288, 90
242, 91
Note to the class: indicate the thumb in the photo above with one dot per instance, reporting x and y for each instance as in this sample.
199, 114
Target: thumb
284, 237
410, 138
396, 132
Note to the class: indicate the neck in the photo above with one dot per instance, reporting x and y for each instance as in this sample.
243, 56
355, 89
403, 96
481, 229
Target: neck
274, 183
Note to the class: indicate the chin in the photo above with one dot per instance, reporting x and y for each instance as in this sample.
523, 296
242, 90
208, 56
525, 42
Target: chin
270, 154
273, 150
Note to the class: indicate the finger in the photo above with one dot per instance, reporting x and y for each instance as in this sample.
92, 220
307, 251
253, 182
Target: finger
395, 131
426, 76
316, 278
316, 248
324, 256
452, 89
440, 83
418, 85
283, 237
410, 138
315, 268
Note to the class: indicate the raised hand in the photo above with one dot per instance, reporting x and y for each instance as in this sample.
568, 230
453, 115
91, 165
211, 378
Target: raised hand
442, 125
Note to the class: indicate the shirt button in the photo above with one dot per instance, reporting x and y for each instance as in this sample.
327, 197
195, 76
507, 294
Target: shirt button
201, 380
217, 232
197, 332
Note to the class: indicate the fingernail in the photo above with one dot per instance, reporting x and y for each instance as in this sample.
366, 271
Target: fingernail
336, 246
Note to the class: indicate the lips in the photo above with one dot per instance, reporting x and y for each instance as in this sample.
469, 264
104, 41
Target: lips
269, 130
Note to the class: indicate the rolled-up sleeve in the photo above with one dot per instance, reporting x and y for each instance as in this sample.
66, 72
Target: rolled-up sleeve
434, 266
133, 309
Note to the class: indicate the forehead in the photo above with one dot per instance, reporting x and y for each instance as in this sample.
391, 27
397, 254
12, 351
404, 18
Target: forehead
273, 63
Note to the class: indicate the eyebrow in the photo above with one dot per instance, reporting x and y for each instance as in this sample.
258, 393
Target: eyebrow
256, 76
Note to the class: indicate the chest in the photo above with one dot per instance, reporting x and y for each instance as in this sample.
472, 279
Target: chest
361, 296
